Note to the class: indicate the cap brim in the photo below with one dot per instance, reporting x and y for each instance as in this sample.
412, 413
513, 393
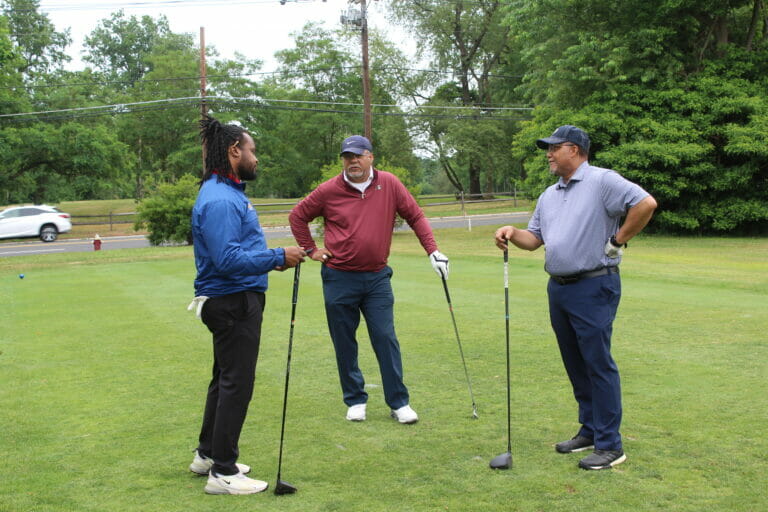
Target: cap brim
544, 143
357, 151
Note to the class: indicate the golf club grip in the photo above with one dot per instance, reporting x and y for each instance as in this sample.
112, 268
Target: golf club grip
506, 269
445, 287
296, 274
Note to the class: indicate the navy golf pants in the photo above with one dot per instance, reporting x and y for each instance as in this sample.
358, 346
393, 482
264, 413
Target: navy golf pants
235, 322
347, 294
582, 315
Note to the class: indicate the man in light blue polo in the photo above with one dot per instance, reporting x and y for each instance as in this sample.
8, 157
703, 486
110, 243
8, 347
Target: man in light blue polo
577, 220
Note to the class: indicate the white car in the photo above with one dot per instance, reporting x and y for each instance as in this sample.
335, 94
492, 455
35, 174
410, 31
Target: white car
33, 221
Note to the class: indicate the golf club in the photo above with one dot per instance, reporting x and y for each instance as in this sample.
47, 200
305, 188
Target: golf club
282, 486
504, 460
458, 340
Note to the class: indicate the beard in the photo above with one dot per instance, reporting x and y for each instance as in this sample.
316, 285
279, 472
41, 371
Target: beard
246, 173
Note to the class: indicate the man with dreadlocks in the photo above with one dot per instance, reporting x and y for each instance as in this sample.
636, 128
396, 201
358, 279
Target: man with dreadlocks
232, 261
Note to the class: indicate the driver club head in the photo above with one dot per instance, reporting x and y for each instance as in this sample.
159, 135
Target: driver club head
502, 461
284, 487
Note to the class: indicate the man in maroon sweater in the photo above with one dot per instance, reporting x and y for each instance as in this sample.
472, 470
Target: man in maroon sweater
359, 207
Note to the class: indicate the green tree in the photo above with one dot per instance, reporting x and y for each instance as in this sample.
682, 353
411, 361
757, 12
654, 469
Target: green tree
12, 93
163, 136
468, 39
121, 47
672, 94
49, 163
41, 47
146, 63
296, 141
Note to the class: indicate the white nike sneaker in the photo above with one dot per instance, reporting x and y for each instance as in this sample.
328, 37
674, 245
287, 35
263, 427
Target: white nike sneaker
405, 414
202, 465
356, 412
234, 484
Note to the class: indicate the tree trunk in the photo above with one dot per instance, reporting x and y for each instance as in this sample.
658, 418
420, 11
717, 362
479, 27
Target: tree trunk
721, 34
474, 178
765, 26
139, 192
488, 185
452, 177
753, 24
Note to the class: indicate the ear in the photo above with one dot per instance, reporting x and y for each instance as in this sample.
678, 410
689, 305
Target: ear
234, 150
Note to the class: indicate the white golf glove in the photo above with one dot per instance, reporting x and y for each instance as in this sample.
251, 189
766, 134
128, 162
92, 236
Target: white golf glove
439, 263
613, 248
197, 302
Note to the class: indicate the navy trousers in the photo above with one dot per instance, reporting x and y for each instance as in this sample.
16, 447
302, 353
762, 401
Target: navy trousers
582, 315
235, 322
347, 294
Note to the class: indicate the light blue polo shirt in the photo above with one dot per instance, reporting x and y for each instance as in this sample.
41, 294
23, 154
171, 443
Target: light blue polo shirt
574, 220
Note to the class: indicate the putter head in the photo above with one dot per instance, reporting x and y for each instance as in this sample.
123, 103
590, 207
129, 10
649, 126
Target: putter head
284, 487
502, 461
474, 414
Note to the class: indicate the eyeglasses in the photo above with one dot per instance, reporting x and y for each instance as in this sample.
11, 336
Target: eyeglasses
352, 156
554, 147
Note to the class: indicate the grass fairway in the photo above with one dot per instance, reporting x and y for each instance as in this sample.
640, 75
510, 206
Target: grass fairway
104, 373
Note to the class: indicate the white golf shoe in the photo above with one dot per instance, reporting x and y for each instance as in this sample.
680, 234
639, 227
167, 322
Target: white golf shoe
356, 412
234, 484
405, 415
202, 465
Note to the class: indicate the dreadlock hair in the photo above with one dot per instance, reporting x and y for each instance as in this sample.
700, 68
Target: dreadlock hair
217, 138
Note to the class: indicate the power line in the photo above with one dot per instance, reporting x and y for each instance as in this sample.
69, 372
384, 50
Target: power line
58, 6
117, 107
297, 72
193, 101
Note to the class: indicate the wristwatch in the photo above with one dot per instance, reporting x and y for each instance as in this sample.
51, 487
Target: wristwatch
615, 243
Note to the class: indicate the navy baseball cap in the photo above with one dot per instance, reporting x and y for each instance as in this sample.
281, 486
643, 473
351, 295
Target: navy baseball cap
356, 144
567, 133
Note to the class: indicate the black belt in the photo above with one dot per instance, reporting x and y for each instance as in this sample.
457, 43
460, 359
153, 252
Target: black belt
574, 278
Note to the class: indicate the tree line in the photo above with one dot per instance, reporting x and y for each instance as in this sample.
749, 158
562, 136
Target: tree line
672, 92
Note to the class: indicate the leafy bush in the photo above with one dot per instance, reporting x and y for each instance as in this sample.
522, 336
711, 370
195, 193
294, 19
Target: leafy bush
166, 212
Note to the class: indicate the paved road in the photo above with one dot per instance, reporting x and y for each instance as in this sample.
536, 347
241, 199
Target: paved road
138, 241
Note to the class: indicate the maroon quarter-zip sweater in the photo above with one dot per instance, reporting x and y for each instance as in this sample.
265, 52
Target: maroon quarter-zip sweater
358, 225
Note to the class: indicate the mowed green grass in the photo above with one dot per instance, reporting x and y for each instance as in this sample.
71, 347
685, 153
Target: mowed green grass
104, 374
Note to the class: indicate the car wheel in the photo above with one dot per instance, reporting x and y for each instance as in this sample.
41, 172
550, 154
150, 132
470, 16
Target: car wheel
48, 233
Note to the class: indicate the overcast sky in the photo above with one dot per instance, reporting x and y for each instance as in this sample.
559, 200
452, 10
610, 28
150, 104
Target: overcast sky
255, 28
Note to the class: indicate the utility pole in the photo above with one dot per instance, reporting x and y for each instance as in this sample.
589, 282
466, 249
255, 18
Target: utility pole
367, 115
203, 84
352, 17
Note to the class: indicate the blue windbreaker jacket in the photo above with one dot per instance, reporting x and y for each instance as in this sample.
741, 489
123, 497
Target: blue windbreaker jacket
231, 253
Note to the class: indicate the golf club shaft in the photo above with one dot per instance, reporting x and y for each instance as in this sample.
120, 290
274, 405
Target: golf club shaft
506, 316
288, 364
458, 340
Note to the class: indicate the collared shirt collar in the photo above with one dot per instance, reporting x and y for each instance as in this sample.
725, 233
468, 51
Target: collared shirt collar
359, 186
581, 170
